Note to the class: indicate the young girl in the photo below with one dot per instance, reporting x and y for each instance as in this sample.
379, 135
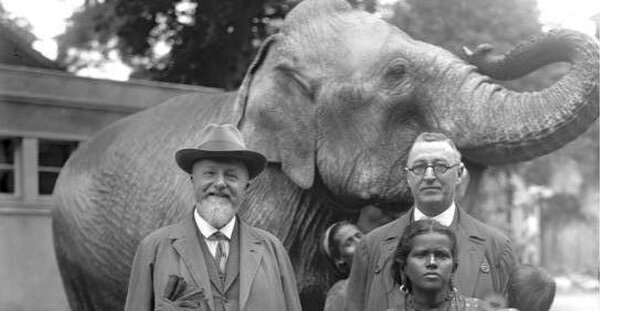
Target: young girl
423, 267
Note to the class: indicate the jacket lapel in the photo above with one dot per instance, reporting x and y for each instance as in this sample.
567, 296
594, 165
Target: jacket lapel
470, 250
388, 247
185, 241
250, 253
233, 262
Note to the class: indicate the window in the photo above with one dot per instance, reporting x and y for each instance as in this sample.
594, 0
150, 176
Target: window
8, 150
29, 166
52, 155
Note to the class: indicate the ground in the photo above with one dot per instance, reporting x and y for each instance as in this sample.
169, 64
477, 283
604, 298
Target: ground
576, 301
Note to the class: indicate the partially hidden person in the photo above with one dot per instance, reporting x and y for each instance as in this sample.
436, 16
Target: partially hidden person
338, 244
530, 288
222, 262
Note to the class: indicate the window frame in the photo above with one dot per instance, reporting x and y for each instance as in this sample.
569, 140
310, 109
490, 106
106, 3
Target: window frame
17, 171
26, 170
51, 169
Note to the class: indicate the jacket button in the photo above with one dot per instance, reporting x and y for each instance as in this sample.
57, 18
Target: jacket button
485, 268
377, 269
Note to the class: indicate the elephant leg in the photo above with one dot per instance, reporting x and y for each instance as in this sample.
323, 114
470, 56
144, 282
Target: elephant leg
76, 287
86, 286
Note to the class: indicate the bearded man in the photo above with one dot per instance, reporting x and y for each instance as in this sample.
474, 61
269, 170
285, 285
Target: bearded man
212, 260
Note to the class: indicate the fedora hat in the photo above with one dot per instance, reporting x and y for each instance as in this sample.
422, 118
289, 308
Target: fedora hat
222, 141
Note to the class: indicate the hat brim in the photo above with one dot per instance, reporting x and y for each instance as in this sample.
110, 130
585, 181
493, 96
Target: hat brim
254, 161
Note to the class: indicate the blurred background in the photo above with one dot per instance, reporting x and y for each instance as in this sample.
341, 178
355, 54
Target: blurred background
70, 67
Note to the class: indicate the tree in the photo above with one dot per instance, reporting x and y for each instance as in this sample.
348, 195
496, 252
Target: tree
18, 26
452, 24
17, 43
212, 42
206, 43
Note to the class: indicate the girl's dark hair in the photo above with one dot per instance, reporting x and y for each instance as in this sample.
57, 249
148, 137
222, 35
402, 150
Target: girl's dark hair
404, 247
530, 288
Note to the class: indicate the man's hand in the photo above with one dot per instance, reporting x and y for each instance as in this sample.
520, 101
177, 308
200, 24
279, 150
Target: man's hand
179, 297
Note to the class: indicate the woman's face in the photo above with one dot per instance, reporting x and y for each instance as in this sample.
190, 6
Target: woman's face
429, 264
348, 237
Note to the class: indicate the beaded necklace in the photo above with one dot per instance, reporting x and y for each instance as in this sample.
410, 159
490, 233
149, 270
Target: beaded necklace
451, 300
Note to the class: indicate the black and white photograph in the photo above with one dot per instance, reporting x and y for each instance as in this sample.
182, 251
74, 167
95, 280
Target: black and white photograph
306, 155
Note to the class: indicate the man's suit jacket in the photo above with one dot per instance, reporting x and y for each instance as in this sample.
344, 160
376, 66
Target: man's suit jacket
485, 258
267, 280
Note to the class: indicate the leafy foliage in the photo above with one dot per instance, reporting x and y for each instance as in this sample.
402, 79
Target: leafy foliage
206, 43
455, 23
212, 42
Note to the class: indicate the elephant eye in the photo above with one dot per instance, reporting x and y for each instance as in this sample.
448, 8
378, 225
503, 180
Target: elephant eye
397, 69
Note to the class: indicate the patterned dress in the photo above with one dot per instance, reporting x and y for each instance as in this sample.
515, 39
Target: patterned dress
457, 303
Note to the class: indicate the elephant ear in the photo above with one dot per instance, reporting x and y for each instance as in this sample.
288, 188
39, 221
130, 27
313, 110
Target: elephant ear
275, 110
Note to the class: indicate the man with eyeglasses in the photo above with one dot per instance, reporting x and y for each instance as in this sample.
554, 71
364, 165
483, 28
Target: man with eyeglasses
485, 255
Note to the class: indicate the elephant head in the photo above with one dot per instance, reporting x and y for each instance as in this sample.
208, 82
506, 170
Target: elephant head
338, 96
334, 100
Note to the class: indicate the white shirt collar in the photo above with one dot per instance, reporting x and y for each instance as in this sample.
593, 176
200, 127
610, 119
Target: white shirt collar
445, 218
207, 230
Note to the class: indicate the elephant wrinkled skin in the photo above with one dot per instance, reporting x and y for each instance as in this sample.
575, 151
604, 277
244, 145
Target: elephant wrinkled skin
334, 101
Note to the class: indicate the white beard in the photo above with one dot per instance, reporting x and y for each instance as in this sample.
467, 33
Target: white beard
216, 211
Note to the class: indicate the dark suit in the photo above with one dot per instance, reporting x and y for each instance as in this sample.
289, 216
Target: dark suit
266, 278
485, 258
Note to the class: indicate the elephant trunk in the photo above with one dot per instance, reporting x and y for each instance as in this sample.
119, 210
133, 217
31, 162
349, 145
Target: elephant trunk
494, 125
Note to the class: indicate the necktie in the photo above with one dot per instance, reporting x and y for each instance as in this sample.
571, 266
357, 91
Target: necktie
220, 254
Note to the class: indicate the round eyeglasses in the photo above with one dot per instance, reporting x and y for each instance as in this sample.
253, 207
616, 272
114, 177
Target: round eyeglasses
438, 168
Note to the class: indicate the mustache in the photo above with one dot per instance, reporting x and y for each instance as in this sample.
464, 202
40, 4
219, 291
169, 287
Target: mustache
219, 193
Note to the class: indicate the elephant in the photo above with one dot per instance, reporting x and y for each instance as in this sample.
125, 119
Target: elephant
334, 101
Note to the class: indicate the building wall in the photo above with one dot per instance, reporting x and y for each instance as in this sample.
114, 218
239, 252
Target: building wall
28, 269
36, 106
